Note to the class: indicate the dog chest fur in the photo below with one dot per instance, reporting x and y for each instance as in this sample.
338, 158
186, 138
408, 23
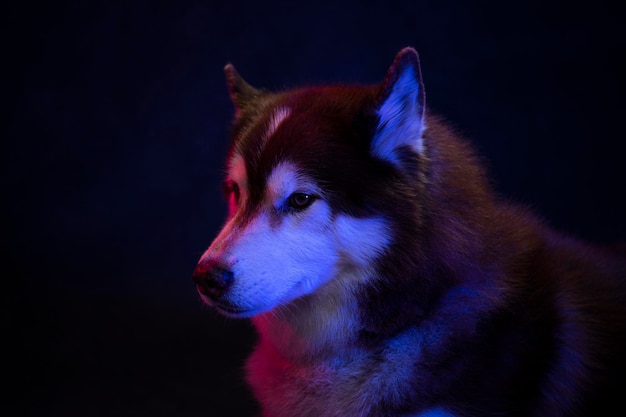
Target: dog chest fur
335, 386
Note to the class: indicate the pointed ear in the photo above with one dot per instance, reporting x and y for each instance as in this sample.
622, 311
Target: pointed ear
241, 93
400, 108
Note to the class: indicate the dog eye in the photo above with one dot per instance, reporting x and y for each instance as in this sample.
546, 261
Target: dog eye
300, 201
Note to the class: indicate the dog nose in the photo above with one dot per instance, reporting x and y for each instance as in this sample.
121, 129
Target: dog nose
212, 279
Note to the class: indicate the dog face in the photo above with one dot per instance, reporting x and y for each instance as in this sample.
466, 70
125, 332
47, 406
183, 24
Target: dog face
286, 234
308, 180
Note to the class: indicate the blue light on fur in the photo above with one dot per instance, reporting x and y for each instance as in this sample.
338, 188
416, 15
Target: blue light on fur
435, 412
400, 116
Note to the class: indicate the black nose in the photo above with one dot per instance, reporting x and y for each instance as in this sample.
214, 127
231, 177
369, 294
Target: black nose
212, 279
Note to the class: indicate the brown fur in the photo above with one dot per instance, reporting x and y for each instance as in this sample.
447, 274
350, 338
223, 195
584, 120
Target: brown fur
476, 308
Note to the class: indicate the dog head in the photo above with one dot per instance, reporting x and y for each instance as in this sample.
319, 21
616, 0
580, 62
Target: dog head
317, 181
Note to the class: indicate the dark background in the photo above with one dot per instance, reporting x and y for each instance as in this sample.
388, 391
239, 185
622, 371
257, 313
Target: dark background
117, 127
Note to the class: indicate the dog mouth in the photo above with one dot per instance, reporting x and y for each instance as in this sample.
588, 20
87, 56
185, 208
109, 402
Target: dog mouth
232, 310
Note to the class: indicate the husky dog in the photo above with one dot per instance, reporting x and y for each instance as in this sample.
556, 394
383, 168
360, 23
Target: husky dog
384, 276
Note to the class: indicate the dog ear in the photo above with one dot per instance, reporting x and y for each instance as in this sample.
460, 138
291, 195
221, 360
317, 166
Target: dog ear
241, 93
400, 108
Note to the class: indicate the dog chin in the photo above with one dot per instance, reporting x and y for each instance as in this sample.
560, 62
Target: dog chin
233, 310
236, 312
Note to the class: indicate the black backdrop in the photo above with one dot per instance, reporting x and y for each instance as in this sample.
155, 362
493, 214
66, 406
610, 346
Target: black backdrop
117, 127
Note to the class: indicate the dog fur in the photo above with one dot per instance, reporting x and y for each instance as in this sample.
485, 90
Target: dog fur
386, 278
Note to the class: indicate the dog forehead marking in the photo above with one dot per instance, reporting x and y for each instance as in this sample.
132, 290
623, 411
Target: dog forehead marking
276, 119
